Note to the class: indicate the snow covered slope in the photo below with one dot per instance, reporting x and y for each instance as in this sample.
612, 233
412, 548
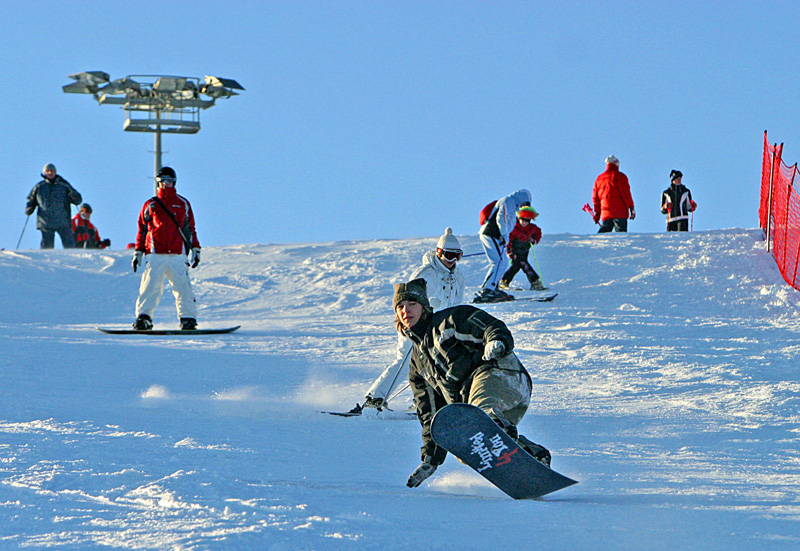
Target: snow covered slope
665, 381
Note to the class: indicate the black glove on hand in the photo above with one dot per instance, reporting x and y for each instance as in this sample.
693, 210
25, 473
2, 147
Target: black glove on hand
137, 259
420, 474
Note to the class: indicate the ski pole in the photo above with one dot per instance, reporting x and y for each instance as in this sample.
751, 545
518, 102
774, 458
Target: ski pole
473, 254
691, 223
399, 391
536, 261
25, 225
587, 208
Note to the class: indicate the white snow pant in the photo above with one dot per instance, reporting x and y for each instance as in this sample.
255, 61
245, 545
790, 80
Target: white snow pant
497, 259
396, 373
174, 268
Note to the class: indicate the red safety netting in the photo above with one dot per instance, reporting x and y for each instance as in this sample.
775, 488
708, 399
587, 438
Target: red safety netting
779, 211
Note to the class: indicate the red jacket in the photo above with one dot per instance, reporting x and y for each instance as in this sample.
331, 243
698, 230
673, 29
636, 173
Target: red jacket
520, 238
611, 194
86, 234
158, 233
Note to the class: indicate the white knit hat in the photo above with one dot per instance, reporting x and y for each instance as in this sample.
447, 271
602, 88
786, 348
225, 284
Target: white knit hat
49, 166
611, 160
448, 241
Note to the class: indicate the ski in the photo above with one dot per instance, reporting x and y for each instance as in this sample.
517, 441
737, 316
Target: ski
161, 332
374, 413
547, 298
523, 289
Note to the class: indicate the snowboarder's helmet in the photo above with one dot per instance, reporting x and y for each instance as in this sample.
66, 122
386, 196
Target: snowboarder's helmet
165, 173
85, 206
527, 213
674, 175
49, 166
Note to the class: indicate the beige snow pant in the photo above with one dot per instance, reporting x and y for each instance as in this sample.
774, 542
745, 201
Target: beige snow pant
504, 393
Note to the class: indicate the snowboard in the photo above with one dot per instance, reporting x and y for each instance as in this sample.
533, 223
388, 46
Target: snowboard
471, 435
169, 331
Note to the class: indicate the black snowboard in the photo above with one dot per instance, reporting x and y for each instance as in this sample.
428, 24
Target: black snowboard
186, 332
471, 435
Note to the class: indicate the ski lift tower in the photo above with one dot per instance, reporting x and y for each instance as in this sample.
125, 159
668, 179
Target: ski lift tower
159, 104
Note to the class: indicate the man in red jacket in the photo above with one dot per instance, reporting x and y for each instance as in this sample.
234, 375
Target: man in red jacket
166, 235
611, 195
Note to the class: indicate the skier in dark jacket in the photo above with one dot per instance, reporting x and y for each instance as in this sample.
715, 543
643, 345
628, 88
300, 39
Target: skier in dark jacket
676, 203
53, 196
461, 354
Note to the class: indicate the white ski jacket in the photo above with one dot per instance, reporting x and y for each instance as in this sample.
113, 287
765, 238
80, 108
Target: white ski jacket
445, 288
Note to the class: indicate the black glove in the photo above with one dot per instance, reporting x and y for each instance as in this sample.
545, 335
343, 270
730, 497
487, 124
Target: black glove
29, 210
106, 243
137, 259
420, 474
195, 260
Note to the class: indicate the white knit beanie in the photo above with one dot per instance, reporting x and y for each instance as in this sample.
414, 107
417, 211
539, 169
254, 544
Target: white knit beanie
611, 160
448, 241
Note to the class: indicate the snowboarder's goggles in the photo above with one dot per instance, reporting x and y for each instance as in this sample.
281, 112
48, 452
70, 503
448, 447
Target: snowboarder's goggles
168, 179
450, 254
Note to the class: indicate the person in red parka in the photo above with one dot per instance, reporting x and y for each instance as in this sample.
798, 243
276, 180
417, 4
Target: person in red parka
611, 195
522, 238
166, 236
86, 234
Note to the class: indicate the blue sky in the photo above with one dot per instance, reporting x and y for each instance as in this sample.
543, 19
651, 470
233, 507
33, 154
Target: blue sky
377, 119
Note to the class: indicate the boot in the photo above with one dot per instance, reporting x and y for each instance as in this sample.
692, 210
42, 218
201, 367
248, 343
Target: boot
143, 323
537, 285
539, 453
188, 324
377, 403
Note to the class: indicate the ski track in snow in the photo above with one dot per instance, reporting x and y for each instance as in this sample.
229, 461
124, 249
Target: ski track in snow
666, 381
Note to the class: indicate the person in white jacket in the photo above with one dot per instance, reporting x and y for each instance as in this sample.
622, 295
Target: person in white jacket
494, 237
445, 282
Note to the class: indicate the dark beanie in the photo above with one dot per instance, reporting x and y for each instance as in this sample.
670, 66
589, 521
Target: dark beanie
675, 174
415, 290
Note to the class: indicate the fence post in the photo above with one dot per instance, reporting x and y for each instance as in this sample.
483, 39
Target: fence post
786, 213
797, 254
769, 196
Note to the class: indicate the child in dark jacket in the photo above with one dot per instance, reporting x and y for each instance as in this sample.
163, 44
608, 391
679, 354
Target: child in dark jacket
525, 234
